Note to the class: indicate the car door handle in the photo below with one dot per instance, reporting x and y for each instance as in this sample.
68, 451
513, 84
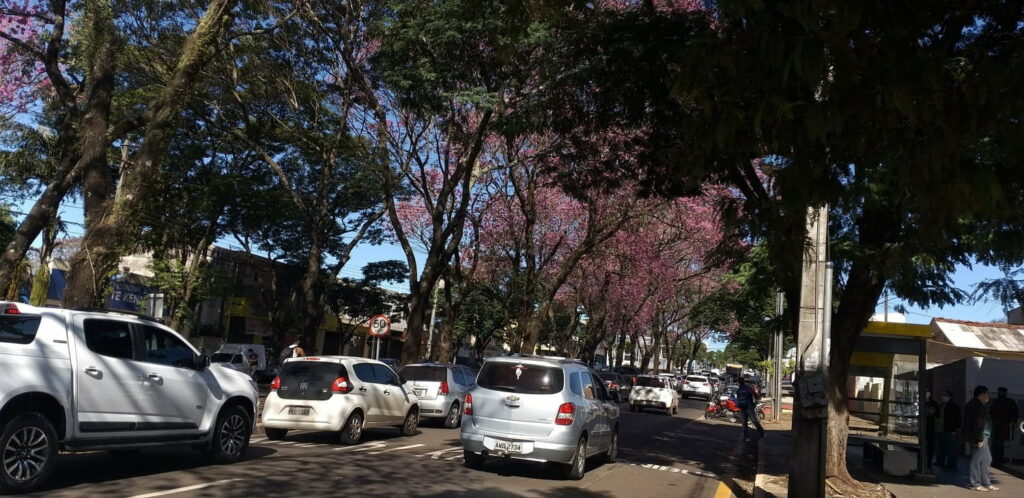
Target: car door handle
156, 378
362, 389
388, 393
92, 371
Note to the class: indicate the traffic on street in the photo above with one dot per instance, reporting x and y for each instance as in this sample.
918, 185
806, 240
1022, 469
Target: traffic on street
659, 454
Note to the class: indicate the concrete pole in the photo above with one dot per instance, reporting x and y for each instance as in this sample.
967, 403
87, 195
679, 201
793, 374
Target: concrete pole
810, 410
433, 314
777, 377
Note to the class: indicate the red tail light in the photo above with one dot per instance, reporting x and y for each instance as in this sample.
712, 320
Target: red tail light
276, 384
444, 388
467, 407
566, 414
341, 385
11, 309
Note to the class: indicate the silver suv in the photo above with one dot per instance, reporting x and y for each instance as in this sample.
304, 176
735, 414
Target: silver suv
441, 389
540, 409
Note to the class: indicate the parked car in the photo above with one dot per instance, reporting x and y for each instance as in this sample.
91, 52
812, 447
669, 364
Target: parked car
540, 409
697, 385
81, 381
441, 389
340, 394
672, 381
617, 387
653, 392
234, 356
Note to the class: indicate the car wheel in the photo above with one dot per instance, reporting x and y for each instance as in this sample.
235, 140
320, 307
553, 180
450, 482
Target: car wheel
352, 432
454, 417
473, 460
412, 420
575, 469
613, 448
29, 444
275, 434
230, 435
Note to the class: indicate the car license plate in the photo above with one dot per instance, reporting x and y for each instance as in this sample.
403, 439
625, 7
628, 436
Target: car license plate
298, 411
420, 392
509, 446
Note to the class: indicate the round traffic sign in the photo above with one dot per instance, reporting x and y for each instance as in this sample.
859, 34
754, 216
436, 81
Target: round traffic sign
379, 326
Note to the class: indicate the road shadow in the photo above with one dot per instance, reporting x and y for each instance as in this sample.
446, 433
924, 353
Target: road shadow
103, 467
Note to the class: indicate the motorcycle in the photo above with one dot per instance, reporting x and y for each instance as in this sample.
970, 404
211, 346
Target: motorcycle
726, 407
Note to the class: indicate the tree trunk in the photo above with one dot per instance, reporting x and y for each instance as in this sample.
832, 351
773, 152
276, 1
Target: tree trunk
419, 305
108, 239
620, 352
864, 287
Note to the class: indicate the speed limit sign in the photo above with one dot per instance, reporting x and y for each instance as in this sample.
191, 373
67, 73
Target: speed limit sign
379, 326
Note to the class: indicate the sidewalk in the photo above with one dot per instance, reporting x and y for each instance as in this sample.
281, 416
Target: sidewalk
774, 459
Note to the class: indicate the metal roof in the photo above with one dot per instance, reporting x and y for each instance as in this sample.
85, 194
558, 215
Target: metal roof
976, 335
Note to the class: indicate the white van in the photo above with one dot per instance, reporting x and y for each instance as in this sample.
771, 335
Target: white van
233, 356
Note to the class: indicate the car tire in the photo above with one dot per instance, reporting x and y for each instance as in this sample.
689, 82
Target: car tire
576, 468
473, 460
352, 431
231, 435
31, 440
613, 448
411, 422
275, 434
453, 418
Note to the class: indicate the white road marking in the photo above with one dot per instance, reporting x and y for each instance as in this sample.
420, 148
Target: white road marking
674, 470
396, 449
307, 445
184, 489
456, 457
289, 442
436, 455
362, 447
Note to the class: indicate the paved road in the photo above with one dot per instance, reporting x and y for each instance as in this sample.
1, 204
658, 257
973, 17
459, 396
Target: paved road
679, 456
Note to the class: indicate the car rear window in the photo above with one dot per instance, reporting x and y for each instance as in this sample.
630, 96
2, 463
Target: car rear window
649, 382
424, 374
694, 378
608, 376
19, 329
309, 379
519, 378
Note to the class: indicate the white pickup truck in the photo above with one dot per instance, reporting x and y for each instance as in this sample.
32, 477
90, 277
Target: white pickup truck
653, 392
83, 381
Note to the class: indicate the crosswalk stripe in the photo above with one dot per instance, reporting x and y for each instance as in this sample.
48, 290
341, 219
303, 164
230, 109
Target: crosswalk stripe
396, 449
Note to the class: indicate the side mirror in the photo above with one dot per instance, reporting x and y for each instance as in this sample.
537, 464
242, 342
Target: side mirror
202, 362
402, 380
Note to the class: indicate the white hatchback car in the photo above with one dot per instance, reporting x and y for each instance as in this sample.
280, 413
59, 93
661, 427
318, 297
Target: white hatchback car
340, 394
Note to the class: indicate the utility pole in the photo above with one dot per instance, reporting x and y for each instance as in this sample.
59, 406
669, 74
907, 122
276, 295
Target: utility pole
777, 374
810, 410
886, 306
433, 313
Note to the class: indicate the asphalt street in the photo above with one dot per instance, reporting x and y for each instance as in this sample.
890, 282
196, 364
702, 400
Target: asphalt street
661, 455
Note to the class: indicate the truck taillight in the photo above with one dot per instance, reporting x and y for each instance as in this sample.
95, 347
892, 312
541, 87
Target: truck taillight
566, 414
276, 384
444, 389
341, 385
467, 407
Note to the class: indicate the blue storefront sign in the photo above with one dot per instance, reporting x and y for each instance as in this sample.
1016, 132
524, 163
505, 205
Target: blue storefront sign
125, 296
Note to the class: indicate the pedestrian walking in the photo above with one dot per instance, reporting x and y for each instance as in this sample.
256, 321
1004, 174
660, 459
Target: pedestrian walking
746, 400
293, 351
1004, 418
948, 422
977, 430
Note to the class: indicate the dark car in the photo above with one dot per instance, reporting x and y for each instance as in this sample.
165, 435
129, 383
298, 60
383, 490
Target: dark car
616, 385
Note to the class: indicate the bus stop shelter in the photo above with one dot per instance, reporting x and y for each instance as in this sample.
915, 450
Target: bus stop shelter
886, 395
